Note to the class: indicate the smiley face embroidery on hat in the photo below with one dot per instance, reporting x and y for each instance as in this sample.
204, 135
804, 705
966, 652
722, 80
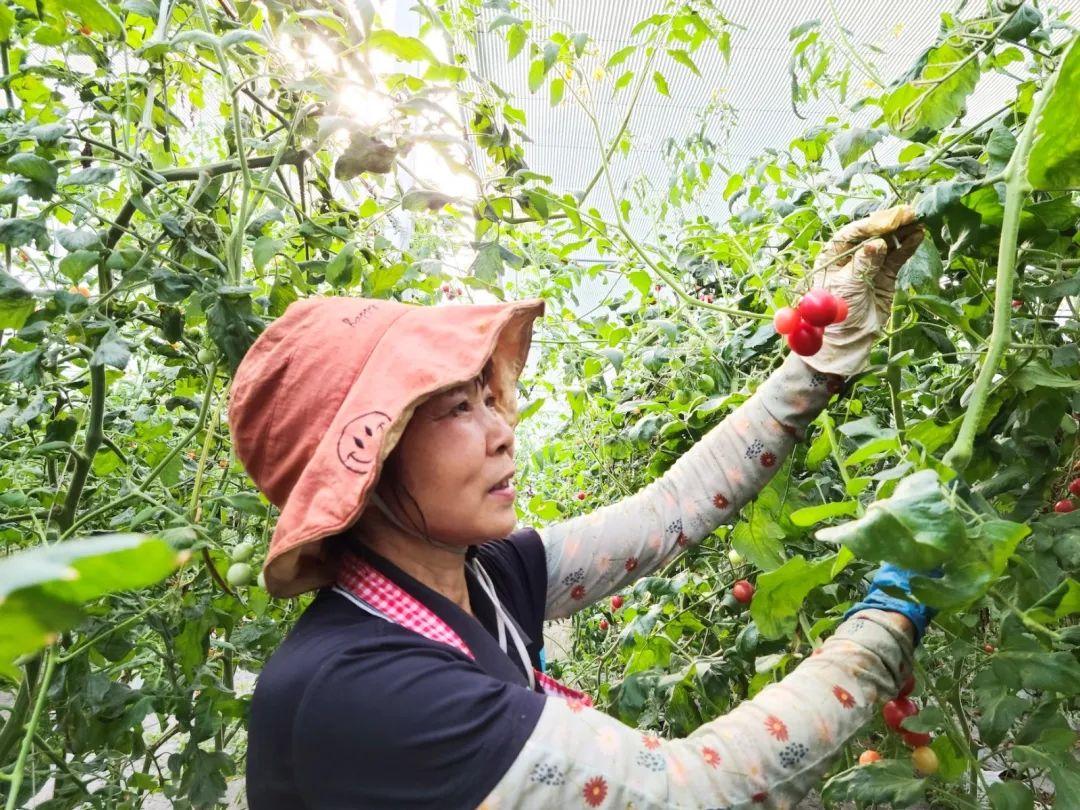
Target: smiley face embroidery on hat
358, 445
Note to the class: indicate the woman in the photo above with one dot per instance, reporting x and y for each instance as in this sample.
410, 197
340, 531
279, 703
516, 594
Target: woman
415, 678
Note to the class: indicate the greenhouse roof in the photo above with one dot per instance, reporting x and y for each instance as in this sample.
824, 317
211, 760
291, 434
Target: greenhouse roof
887, 37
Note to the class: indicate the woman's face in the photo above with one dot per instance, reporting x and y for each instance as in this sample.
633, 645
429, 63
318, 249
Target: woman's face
455, 452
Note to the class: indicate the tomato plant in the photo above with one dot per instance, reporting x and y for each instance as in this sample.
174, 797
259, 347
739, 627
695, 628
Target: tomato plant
177, 174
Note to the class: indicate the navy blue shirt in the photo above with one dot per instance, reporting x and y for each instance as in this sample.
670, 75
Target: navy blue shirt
353, 711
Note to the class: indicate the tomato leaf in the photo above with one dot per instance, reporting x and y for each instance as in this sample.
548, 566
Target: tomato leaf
933, 94
780, 593
1054, 160
850, 144
916, 528
42, 590
889, 781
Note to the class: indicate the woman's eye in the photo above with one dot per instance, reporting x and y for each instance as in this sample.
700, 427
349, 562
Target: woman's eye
491, 402
462, 407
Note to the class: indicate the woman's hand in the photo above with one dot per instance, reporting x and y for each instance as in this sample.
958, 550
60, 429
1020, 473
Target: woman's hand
860, 265
896, 580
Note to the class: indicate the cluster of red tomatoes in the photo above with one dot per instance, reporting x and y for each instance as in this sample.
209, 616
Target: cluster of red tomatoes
804, 325
894, 713
1066, 504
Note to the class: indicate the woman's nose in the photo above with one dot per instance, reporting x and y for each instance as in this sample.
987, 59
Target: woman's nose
501, 435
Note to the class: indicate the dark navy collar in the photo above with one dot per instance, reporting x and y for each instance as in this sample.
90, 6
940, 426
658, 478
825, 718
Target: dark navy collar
479, 632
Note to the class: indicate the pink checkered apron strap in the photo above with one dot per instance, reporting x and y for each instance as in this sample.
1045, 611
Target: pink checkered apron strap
376, 593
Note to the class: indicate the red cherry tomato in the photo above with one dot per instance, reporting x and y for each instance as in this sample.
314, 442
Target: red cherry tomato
915, 739
868, 756
1063, 506
1074, 487
988, 648
616, 602
841, 310
786, 320
907, 687
925, 761
806, 340
743, 591
1017, 303
581, 495
603, 624
896, 710
818, 307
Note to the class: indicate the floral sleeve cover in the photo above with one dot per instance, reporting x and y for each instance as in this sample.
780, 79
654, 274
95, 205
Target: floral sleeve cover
593, 555
768, 752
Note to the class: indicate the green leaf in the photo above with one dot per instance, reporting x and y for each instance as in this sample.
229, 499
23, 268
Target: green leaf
1037, 375
916, 528
1011, 796
1054, 159
620, 56
241, 36
487, 266
759, 535
7, 23
660, 82
113, 351
339, 272
19, 232
364, 154
504, 19
811, 515
34, 168
407, 49
888, 781
1037, 671
1063, 601
558, 87
16, 302
932, 97
999, 148
515, 41
780, 593
923, 270
1026, 20
97, 16
936, 200
424, 200
683, 58
231, 323
850, 144
623, 80
247, 502
537, 71
94, 176
265, 248
42, 590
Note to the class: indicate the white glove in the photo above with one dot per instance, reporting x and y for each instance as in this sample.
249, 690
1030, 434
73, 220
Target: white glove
866, 279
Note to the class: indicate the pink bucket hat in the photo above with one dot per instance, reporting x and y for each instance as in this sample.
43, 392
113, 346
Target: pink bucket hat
324, 394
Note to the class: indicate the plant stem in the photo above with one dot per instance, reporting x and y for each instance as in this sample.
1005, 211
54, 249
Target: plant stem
1016, 190
85, 459
28, 736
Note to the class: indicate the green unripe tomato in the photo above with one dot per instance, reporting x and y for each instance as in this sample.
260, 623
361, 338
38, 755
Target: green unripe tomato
261, 580
682, 396
239, 574
735, 558
706, 384
207, 356
242, 552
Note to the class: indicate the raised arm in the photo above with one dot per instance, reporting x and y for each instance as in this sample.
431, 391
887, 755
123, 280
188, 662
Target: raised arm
768, 752
592, 555
595, 554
